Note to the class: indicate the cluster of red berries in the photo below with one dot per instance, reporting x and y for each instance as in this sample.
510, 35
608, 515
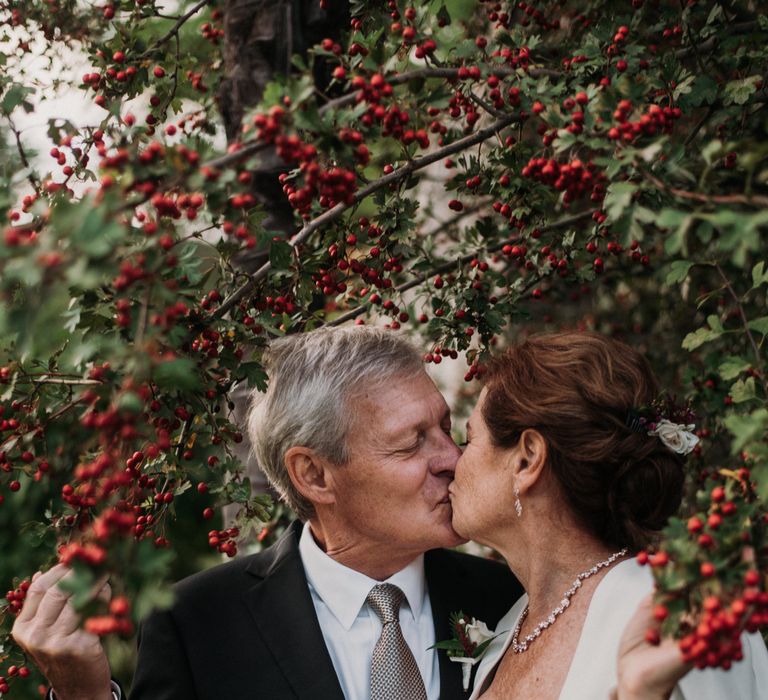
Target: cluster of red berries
91, 554
655, 119
116, 622
12, 672
575, 178
715, 642
224, 541
17, 596
436, 355
213, 31
330, 186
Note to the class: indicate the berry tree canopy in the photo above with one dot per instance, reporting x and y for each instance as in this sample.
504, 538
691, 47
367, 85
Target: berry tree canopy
471, 170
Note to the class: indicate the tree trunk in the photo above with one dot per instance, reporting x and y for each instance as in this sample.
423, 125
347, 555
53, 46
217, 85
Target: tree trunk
260, 39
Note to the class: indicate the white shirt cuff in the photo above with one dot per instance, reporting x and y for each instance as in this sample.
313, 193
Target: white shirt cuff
116, 694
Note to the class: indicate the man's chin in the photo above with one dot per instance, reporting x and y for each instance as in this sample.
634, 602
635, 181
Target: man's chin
453, 538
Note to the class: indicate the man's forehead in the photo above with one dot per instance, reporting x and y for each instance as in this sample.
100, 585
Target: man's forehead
403, 401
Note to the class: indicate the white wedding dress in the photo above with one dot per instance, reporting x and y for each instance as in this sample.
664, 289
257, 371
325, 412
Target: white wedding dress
592, 673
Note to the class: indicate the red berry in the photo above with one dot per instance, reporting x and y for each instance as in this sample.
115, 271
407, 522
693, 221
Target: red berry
652, 637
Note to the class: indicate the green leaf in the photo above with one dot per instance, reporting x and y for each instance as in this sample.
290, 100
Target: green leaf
683, 87
96, 237
760, 325
715, 324
254, 374
80, 584
759, 275
739, 91
179, 374
732, 367
743, 390
15, 97
747, 428
712, 151
678, 271
703, 91
280, 254
618, 198
697, 338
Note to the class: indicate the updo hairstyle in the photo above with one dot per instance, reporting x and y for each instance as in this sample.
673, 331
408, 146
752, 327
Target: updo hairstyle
576, 389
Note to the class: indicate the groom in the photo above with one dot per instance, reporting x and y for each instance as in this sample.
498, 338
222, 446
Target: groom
356, 439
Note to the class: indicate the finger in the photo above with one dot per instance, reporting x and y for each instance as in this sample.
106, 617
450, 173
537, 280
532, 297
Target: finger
52, 604
66, 623
38, 589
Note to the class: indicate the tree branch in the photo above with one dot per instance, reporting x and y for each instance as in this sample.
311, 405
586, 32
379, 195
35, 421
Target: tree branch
754, 200
458, 262
251, 147
335, 212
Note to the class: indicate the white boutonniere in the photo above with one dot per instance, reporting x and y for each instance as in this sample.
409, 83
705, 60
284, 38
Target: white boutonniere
471, 638
676, 436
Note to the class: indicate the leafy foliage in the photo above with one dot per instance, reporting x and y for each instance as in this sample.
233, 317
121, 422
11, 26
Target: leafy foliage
473, 170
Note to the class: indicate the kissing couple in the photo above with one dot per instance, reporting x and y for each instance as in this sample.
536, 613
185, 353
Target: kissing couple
556, 475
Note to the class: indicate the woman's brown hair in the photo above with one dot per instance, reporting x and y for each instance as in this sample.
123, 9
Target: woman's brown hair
576, 389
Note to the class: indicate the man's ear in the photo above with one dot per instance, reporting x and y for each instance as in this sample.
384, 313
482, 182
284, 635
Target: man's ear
310, 475
530, 459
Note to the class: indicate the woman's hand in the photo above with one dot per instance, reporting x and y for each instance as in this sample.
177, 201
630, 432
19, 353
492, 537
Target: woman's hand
647, 672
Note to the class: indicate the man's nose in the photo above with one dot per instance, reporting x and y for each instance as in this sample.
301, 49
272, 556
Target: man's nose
449, 453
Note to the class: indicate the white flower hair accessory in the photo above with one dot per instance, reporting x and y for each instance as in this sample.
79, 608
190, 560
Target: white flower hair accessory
676, 436
672, 424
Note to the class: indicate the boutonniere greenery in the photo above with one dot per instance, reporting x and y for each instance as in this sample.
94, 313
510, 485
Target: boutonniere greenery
471, 638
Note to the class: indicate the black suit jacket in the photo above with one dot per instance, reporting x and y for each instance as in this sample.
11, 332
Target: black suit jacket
247, 630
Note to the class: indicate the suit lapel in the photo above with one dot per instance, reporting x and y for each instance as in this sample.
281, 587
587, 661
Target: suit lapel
285, 618
445, 597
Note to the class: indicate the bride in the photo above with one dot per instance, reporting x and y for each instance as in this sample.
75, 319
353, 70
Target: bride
557, 479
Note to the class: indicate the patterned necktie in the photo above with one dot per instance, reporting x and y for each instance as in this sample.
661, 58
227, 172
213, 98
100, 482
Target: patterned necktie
394, 673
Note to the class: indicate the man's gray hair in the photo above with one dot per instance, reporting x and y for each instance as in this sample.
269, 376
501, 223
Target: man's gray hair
313, 377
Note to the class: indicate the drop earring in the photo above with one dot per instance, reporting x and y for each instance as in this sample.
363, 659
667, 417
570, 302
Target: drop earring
518, 505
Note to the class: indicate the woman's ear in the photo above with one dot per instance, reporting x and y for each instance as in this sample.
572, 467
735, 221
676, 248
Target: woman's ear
310, 475
529, 459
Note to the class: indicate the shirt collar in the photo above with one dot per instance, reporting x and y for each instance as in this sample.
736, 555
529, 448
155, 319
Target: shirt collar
344, 590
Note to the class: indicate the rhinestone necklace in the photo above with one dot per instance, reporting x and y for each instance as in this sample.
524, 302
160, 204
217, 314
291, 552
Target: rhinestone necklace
518, 646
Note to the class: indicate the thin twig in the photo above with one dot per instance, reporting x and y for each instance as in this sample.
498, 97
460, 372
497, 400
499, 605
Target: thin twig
458, 262
747, 329
335, 212
45, 379
23, 155
174, 30
141, 327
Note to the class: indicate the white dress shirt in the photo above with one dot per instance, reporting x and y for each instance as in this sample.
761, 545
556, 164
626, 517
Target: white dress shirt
592, 673
351, 629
